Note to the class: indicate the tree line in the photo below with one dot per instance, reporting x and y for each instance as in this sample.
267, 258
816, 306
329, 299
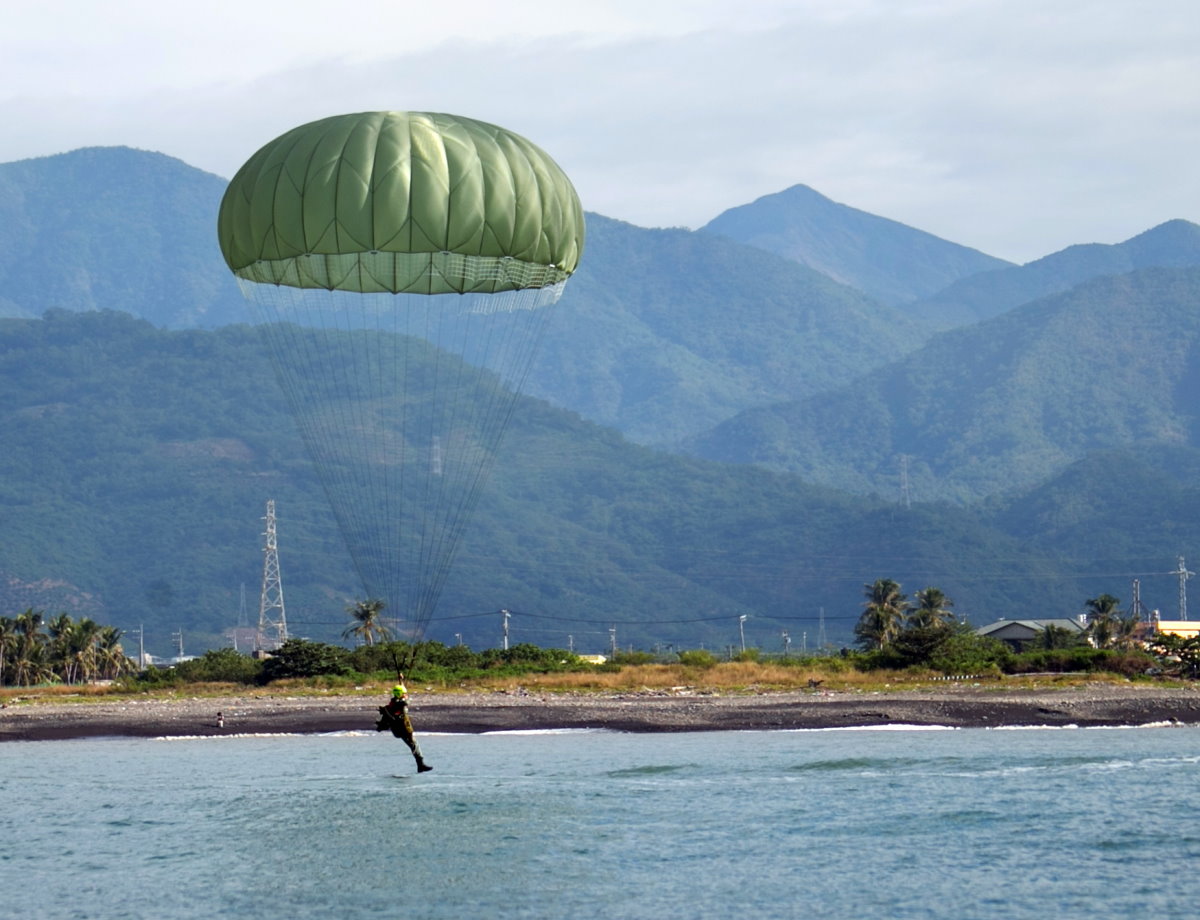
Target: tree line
34, 650
893, 631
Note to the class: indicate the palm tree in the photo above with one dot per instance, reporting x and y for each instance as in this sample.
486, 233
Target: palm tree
1103, 614
29, 665
933, 609
883, 616
366, 621
8, 639
60, 647
111, 660
83, 649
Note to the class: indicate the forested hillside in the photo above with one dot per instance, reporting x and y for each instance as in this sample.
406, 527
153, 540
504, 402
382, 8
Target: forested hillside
138, 462
111, 228
663, 333
999, 406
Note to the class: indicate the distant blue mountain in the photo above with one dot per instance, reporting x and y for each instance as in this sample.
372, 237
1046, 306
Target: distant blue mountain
1175, 244
887, 260
662, 333
112, 228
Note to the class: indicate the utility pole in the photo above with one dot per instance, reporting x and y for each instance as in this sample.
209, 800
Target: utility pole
458, 639
612, 639
787, 640
506, 615
141, 631
742, 630
271, 616
570, 643
821, 640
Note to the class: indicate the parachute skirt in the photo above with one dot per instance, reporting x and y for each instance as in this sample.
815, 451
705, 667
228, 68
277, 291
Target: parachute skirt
405, 273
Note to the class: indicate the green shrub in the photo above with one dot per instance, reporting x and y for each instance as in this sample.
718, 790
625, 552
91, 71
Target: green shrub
698, 658
220, 666
633, 658
963, 652
301, 658
526, 658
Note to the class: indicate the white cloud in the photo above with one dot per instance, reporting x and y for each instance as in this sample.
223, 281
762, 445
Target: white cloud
1016, 127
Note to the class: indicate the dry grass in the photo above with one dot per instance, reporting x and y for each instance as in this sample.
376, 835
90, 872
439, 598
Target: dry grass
729, 677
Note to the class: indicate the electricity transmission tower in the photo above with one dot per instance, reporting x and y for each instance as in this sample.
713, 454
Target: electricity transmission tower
272, 621
1184, 575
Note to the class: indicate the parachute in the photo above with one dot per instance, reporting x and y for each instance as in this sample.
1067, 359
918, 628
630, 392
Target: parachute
403, 266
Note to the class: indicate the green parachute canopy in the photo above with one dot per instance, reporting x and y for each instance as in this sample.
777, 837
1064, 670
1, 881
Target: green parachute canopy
401, 202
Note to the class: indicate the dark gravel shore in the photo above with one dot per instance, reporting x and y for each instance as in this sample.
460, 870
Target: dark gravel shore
647, 711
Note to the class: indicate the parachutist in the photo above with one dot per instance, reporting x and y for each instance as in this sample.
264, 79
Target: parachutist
402, 267
394, 716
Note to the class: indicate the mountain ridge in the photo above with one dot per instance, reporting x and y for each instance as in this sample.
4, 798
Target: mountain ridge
1002, 404
886, 259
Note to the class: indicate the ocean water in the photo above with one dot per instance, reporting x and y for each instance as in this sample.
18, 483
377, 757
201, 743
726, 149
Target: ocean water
888, 823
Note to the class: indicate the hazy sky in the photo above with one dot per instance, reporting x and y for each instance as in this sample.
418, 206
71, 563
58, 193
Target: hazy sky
1014, 126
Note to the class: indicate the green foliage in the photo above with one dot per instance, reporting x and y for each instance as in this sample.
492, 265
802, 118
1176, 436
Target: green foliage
747, 654
883, 616
919, 645
1177, 654
220, 665
34, 650
301, 658
1079, 658
632, 658
698, 658
528, 657
963, 652
1059, 637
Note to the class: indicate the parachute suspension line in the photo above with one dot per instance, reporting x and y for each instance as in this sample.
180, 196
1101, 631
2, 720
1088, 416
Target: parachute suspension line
500, 347
302, 358
489, 406
402, 401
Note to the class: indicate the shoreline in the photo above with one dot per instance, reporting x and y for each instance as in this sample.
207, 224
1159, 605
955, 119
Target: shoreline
644, 711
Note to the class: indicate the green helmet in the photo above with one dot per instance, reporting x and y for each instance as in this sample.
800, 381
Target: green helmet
399, 692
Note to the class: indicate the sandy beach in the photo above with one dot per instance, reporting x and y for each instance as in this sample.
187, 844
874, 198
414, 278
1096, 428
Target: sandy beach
646, 711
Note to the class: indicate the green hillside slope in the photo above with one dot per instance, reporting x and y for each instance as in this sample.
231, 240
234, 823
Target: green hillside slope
663, 333
138, 461
1002, 405
110, 228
